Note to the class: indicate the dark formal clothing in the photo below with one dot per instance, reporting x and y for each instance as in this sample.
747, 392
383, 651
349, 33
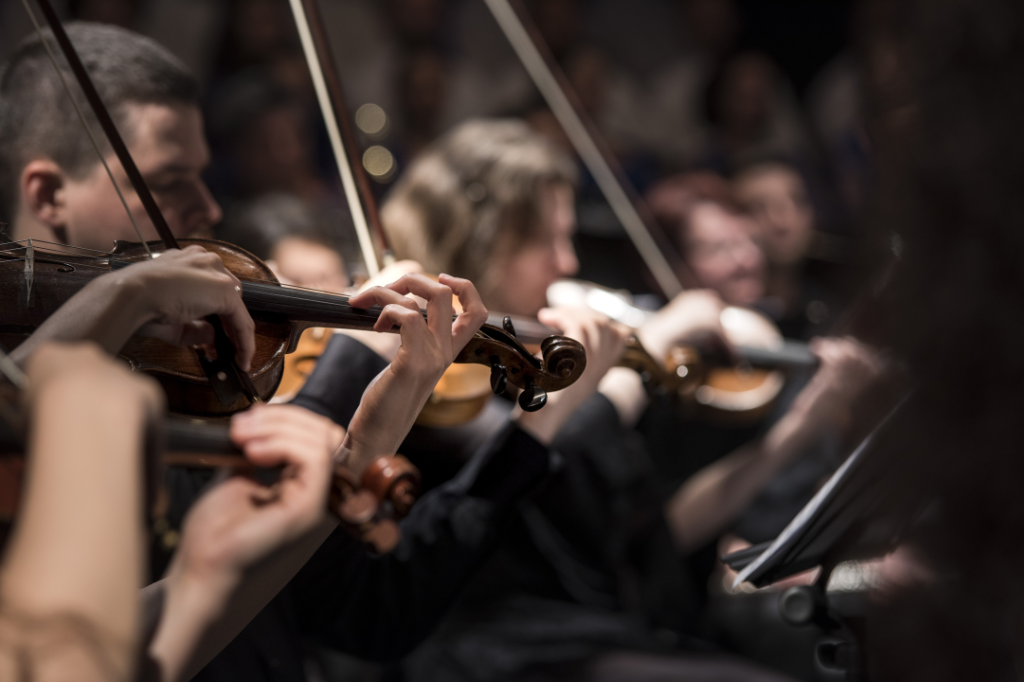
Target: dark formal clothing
380, 607
586, 567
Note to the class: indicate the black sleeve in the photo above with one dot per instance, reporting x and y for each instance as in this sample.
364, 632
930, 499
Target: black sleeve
381, 607
342, 374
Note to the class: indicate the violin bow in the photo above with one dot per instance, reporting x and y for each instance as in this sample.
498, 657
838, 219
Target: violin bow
553, 85
331, 98
229, 382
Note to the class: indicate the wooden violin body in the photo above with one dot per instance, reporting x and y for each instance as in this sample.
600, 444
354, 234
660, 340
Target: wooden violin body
37, 279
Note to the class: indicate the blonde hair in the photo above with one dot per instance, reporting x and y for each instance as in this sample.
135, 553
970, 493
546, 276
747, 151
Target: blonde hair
470, 194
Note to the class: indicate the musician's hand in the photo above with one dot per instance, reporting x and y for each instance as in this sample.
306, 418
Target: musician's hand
692, 317
848, 369
391, 274
384, 345
394, 399
181, 287
166, 297
240, 522
604, 341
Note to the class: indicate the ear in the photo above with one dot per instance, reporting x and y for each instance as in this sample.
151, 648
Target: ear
42, 192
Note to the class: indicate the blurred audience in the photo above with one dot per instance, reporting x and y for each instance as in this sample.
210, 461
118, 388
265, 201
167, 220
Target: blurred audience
711, 28
751, 112
263, 141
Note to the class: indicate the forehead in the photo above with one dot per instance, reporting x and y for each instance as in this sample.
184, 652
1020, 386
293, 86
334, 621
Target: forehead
166, 136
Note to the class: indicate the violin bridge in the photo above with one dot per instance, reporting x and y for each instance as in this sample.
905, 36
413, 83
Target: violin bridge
30, 271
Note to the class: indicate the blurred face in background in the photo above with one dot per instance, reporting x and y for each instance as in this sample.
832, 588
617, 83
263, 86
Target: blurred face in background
722, 254
776, 198
308, 264
525, 274
275, 153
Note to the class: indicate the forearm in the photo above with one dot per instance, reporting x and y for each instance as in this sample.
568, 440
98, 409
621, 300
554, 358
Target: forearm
77, 551
715, 496
107, 311
199, 616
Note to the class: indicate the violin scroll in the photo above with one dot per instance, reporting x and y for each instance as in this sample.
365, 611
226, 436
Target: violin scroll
370, 507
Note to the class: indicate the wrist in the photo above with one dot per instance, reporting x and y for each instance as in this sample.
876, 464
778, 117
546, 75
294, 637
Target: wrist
192, 606
199, 594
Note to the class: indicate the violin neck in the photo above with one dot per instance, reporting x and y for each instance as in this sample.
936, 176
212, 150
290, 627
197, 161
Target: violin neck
307, 308
791, 355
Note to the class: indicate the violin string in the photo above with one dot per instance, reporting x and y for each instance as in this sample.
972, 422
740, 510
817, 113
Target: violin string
9, 368
85, 123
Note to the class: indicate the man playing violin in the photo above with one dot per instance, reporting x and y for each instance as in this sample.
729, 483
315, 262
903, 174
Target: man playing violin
57, 192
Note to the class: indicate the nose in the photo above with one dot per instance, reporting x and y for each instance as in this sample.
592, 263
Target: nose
206, 213
749, 256
565, 258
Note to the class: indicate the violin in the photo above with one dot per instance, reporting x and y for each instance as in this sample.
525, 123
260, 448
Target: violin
729, 391
368, 507
39, 278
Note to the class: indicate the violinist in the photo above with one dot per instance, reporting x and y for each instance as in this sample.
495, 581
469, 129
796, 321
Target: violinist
376, 607
598, 552
71, 572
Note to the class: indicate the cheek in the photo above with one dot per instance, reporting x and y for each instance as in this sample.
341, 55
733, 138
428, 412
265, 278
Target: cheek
710, 271
523, 284
96, 218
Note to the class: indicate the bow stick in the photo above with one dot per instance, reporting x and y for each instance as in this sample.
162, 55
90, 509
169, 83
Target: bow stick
331, 98
592, 150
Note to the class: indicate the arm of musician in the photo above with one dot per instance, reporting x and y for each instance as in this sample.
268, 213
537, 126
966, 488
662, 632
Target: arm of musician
394, 399
694, 316
691, 317
166, 298
242, 542
604, 342
715, 496
76, 555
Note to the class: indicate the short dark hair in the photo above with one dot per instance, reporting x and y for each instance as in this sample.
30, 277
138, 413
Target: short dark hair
37, 118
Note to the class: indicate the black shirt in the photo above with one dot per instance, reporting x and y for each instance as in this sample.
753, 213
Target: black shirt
379, 607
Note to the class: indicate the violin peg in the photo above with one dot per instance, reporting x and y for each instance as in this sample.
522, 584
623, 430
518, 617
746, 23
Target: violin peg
382, 536
499, 378
358, 508
532, 399
508, 326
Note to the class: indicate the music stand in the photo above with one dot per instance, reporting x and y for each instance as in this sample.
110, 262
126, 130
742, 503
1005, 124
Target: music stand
861, 512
